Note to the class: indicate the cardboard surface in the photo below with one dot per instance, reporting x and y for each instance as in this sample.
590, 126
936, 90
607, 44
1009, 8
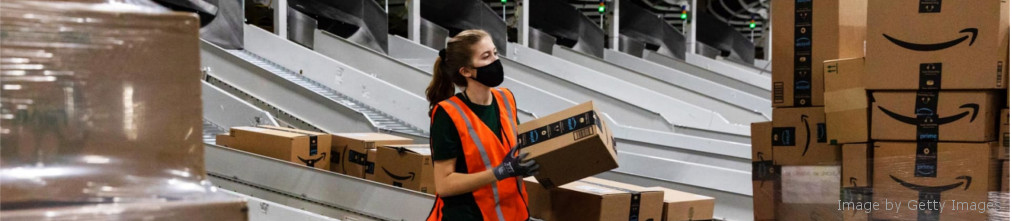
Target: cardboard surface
966, 40
964, 173
569, 156
594, 199
679, 206
762, 146
831, 29
856, 170
370, 173
764, 199
961, 115
809, 193
1003, 135
847, 116
856, 181
1004, 176
799, 137
282, 145
407, 166
350, 151
224, 140
323, 145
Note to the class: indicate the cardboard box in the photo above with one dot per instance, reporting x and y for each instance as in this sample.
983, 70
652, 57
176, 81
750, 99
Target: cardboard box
960, 173
799, 137
809, 193
539, 200
765, 198
224, 140
569, 145
762, 146
822, 30
594, 199
407, 166
293, 147
960, 115
323, 141
856, 181
966, 42
350, 151
765, 173
1004, 176
1003, 135
857, 167
847, 116
679, 206
370, 171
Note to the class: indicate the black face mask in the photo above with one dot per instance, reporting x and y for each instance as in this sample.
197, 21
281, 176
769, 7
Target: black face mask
490, 75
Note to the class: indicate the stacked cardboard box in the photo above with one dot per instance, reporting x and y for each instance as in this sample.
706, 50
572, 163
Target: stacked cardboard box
932, 68
351, 152
598, 199
917, 116
794, 151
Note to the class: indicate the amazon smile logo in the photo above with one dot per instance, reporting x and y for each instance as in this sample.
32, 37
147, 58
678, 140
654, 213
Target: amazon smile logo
929, 115
411, 175
935, 46
935, 189
808, 134
932, 194
312, 162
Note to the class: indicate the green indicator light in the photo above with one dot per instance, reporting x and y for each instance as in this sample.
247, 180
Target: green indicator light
684, 16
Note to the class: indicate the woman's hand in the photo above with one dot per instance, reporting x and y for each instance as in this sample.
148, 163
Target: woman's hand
515, 165
450, 183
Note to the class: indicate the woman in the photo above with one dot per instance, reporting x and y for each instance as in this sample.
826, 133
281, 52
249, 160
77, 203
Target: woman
478, 175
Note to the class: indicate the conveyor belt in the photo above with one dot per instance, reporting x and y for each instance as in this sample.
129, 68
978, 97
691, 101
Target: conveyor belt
296, 99
318, 191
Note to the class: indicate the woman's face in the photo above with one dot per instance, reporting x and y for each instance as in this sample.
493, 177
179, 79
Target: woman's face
484, 53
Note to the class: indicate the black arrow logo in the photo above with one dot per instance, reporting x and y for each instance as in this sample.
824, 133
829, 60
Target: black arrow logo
312, 162
944, 120
937, 46
808, 134
411, 175
934, 189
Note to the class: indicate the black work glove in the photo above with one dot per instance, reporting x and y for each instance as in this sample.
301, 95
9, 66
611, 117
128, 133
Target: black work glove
514, 165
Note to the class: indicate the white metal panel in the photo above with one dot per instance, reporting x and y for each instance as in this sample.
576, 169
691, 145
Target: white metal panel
676, 112
399, 103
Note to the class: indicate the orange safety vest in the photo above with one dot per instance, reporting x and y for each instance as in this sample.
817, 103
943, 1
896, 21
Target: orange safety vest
504, 200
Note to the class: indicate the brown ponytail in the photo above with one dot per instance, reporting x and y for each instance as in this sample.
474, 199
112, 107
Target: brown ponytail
445, 74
